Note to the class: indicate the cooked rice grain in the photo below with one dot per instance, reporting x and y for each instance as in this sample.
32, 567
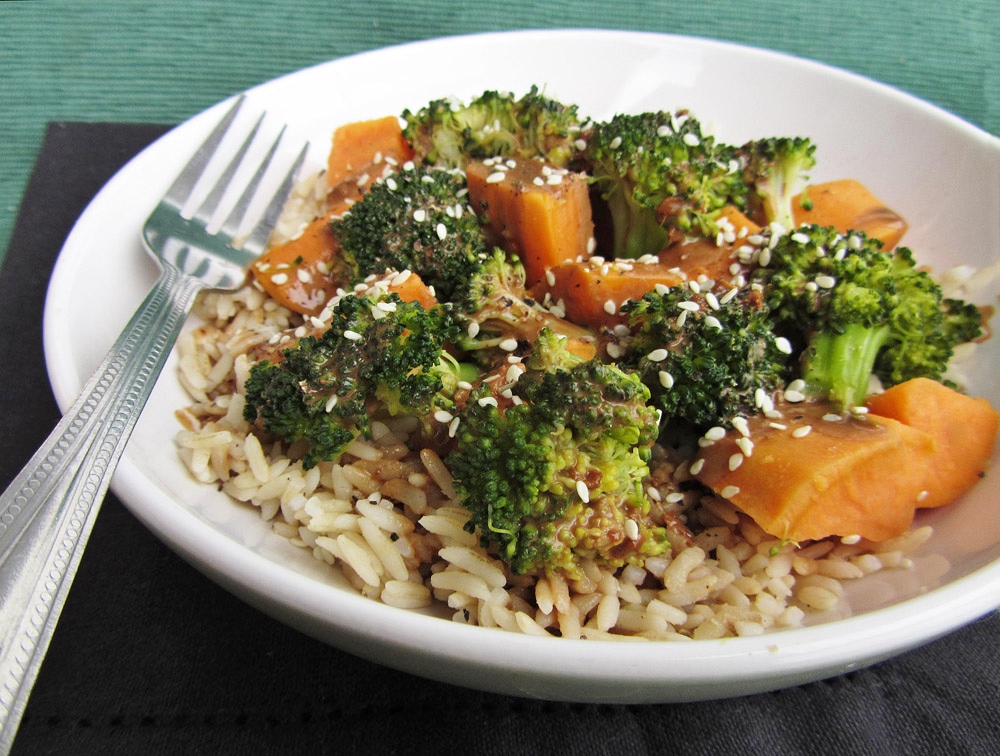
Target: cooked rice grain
387, 517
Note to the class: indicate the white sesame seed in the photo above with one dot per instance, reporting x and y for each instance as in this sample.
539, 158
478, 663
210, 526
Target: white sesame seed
800, 238
859, 410
550, 277
441, 230
653, 493
832, 417
487, 401
689, 306
508, 345
352, 335
715, 433
610, 307
696, 466
495, 178
331, 402
631, 530
453, 427
735, 460
514, 372
615, 351
682, 318
826, 282
676, 496
391, 183
745, 445
850, 540
582, 491
802, 431
713, 322
443, 416
728, 296
693, 285
420, 215
794, 396
778, 426
783, 345
691, 140
657, 355
279, 279
304, 275
741, 425
797, 385
712, 300
764, 258
666, 380
729, 492
555, 179
473, 329
615, 143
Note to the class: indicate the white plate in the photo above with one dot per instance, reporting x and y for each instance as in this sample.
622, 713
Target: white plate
941, 173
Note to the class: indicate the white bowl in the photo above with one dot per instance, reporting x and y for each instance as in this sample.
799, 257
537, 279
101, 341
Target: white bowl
941, 173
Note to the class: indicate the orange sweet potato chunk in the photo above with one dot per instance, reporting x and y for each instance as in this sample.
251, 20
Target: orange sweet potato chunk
964, 430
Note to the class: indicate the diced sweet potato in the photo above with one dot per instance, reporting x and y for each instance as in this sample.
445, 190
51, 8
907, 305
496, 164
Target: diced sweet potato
847, 204
707, 257
297, 273
816, 477
592, 291
362, 147
964, 429
538, 212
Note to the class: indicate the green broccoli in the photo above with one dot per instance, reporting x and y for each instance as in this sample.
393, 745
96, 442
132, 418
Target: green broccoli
416, 219
705, 360
853, 311
499, 316
448, 133
661, 179
380, 356
776, 168
553, 471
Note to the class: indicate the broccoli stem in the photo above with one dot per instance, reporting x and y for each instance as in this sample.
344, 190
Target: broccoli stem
840, 364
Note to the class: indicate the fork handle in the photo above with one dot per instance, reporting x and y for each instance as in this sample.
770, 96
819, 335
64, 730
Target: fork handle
48, 511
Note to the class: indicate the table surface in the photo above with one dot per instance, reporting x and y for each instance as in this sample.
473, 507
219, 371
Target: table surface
154, 678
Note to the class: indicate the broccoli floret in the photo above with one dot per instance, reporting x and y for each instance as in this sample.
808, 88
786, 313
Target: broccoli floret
661, 178
500, 318
380, 356
705, 361
553, 475
777, 169
854, 310
448, 133
419, 220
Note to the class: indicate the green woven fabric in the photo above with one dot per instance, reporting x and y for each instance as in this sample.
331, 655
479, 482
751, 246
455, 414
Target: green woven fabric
164, 60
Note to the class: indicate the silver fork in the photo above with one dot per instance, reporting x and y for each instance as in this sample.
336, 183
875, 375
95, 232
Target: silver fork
47, 512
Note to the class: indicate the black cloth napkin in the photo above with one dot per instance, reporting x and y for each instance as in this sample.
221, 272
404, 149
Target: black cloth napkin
150, 657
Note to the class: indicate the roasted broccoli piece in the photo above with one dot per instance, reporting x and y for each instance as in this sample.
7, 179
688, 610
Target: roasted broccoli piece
379, 357
553, 471
852, 310
448, 133
662, 179
776, 168
499, 316
416, 219
705, 361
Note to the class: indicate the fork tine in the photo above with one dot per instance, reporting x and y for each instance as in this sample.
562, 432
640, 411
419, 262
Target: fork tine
256, 240
211, 202
232, 222
185, 182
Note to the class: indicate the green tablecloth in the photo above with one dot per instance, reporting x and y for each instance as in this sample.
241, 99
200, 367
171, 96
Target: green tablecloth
164, 60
